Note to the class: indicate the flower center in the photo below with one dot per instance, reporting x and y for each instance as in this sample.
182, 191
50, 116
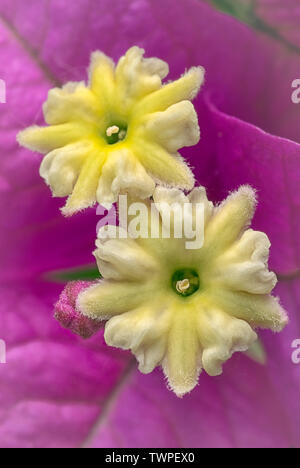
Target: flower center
115, 133
185, 281
183, 285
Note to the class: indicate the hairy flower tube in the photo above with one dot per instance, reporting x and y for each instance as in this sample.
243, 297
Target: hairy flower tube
119, 133
186, 309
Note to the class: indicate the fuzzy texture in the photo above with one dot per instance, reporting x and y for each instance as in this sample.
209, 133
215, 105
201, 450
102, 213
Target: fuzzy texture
150, 121
185, 334
69, 317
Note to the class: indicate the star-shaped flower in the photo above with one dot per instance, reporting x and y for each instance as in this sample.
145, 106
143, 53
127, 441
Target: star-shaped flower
183, 308
121, 132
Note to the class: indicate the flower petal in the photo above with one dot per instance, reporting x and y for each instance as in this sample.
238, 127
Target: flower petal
108, 298
198, 195
253, 245
164, 167
185, 88
247, 155
172, 196
84, 193
182, 363
244, 266
74, 101
251, 277
137, 76
257, 352
174, 128
45, 139
177, 215
122, 172
101, 78
123, 258
258, 310
60, 168
169, 195
220, 336
142, 330
230, 219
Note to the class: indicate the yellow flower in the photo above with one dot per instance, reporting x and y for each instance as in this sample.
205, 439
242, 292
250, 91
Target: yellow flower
183, 308
120, 133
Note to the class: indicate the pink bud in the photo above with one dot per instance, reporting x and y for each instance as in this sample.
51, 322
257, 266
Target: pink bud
69, 317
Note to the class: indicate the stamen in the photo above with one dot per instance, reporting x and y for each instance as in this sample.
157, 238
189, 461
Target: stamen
122, 134
182, 285
185, 281
112, 130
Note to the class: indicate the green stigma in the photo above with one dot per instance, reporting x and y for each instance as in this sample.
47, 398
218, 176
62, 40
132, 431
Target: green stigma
185, 281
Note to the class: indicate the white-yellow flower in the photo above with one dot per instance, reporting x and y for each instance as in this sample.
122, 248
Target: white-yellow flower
119, 133
181, 308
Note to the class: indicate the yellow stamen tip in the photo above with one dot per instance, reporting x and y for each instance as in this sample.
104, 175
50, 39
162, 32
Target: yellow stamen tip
122, 134
182, 285
112, 130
